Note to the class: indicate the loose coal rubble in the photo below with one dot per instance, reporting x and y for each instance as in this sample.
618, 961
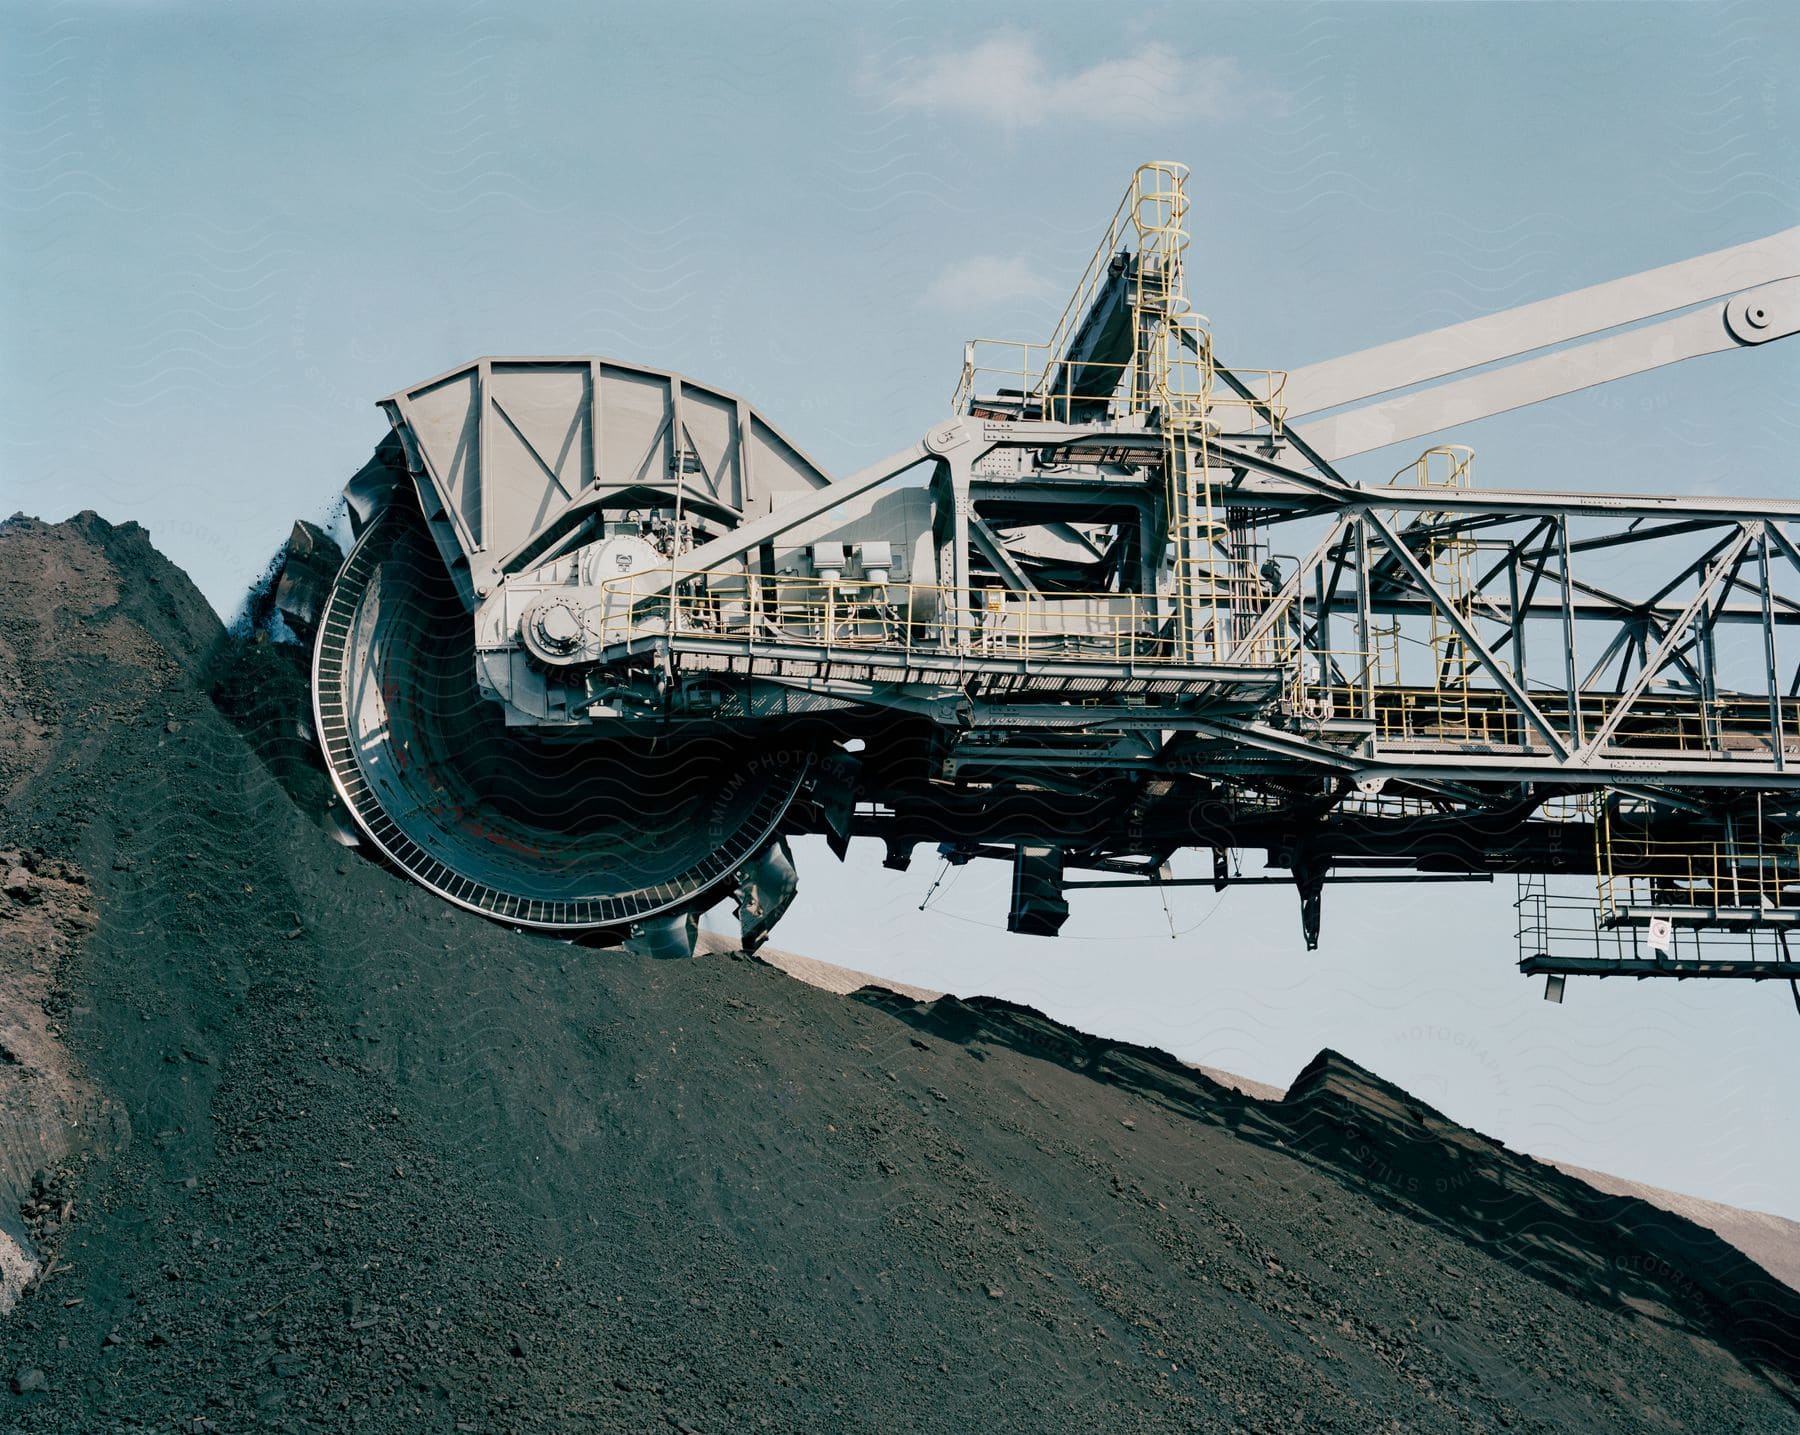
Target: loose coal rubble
378, 1165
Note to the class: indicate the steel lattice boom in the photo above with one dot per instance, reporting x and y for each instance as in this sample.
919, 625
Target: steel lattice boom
1121, 603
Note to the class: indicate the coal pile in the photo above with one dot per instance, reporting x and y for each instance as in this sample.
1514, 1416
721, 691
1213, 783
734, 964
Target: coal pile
349, 1159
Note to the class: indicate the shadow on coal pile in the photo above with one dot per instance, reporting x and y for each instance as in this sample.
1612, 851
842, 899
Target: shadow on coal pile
1612, 1251
381, 1165
262, 688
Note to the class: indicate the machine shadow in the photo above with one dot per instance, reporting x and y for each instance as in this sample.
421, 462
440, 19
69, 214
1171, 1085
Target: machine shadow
1375, 1139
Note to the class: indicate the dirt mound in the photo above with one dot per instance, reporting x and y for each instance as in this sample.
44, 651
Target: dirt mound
393, 1168
47, 1110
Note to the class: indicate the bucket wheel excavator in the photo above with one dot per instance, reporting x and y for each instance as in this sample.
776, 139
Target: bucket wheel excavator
605, 638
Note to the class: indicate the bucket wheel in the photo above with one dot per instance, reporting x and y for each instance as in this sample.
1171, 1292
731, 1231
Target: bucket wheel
619, 837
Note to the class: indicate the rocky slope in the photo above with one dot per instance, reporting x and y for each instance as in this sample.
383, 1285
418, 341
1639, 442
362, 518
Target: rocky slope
379, 1165
1773, 1242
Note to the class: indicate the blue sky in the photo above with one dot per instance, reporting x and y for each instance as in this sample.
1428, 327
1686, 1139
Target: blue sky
228, 230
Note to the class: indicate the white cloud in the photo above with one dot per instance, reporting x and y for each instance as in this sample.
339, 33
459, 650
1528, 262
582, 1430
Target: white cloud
986, 280
1005, 80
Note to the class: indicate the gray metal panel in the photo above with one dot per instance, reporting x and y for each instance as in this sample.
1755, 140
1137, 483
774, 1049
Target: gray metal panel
537, 451
775, 462
444, 418
504, 446
709, 433
635, 445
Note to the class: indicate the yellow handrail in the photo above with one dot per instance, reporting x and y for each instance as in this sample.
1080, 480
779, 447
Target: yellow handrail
914, 618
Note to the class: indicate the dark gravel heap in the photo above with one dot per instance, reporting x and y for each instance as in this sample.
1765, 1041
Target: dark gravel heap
393, 1168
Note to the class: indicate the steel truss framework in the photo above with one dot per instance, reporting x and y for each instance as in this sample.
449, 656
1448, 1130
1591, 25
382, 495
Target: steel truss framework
1154, 614
1615, 653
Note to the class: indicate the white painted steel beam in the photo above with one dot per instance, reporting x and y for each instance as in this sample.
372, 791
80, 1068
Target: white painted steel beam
1521, 330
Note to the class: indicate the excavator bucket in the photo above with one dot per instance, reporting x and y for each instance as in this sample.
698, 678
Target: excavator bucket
308, 564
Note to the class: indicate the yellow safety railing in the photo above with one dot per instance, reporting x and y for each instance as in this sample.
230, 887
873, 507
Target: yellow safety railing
1264, 413
1153, 214
1008, 378
1332, 683
833, 615
1449, 559
1580, 807
1753, 873
1444, 465
1433, 715
1384, 638
1171, 362
1481, 712
1004, 378
1687, 723
1217, 589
